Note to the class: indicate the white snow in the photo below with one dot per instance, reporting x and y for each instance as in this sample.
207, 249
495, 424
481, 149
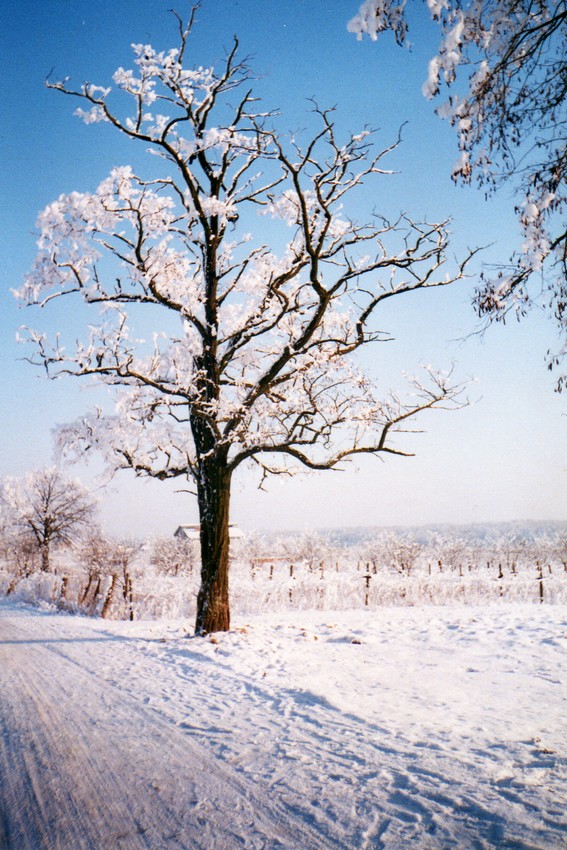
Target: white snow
426, 727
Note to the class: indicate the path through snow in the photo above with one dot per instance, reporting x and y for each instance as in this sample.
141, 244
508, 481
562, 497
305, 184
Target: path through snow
432, 728
85, 764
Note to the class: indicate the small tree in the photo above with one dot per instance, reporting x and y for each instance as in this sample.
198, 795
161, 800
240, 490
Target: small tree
448, 550
559, 548
510, 118
95, 556
122, 553
252, 359
51, 508
172, 556
18, 551
400, 552
110, 560
310, 548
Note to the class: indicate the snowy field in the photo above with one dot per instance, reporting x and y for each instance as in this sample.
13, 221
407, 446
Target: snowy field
426, 727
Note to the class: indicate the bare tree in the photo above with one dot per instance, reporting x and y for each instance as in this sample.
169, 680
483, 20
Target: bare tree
559, 548
18, 551
399, 551
108, 565
172, 556
51, 508
449, 551
508, 61
122, 554
252, 360
310, 548
94, 557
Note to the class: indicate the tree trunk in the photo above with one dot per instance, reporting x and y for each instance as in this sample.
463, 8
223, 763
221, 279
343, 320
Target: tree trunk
63, 591
44, 552
129, 594
12, 585
109, 597
95, 599
213, 491
85, 593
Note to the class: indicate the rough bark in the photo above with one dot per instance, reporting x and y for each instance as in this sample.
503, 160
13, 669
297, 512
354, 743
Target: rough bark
213, 609
12, 586
109, 597
85, 593
64, 585
128, 594
44, 552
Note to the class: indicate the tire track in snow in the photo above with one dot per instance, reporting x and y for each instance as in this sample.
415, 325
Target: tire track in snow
85, 766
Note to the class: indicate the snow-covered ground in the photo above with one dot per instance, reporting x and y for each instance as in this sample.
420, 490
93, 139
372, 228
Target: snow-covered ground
426, 727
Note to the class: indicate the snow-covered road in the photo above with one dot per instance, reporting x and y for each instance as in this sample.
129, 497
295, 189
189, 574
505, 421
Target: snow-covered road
84, 764
432, 728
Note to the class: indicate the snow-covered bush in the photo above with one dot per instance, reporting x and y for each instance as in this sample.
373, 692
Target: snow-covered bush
173, 556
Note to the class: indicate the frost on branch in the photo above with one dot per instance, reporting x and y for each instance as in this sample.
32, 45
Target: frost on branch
510, 60
376, 16
251, 352
46, 508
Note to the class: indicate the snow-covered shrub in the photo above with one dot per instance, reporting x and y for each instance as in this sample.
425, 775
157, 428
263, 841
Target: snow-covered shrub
20, 557
173, 556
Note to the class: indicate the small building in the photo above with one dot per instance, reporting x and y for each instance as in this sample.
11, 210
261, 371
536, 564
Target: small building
193, 532
187, 532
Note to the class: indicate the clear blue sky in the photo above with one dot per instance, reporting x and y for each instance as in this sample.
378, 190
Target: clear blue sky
502, 458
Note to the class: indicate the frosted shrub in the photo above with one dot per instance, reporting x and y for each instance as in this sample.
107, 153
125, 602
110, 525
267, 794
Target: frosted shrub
172, 556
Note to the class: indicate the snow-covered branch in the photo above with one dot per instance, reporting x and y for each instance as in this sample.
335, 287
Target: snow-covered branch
508, 59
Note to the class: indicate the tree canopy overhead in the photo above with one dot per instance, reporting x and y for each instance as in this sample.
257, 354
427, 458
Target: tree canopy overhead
261, 364
503, 64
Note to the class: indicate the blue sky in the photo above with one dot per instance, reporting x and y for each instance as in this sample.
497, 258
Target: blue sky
502, 458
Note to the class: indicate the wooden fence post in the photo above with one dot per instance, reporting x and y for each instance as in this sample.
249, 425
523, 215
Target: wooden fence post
540, 580
367, 578
63, 591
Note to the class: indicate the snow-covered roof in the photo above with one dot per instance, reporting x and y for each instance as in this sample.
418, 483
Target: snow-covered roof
189, 532
192, 532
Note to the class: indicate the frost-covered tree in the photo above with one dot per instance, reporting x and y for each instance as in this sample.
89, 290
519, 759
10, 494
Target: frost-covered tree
253, 358
104, 559
449, 551
505, 63
172, 556
19, 555
48, 507
559, 548
399, 552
